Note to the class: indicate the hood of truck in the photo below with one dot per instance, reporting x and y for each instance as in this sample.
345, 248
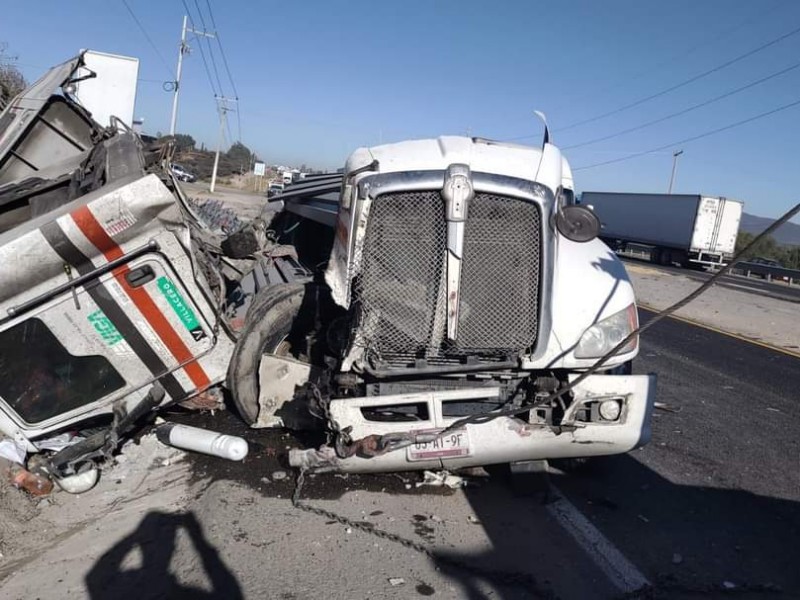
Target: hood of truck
544, 165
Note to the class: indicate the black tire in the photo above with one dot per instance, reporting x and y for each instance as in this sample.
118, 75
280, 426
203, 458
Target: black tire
270, 321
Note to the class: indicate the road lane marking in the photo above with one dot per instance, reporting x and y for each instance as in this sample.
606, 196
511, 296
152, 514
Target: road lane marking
723, 332
620, 571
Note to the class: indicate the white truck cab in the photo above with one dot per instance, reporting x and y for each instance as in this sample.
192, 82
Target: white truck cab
462, 295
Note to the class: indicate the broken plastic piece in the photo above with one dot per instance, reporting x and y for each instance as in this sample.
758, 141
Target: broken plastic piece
80, 482
442, 479
13, 451
202, 440
58, 442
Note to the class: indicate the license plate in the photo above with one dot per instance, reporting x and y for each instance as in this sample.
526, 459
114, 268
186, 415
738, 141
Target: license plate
453, 445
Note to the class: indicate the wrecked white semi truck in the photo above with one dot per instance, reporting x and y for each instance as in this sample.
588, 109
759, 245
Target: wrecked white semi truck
434, 282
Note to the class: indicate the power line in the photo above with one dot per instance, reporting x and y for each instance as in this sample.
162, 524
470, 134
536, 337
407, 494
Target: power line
693, 138
227, 67
757, 16
221, 50
202, 53
210, 50
148, 38
686, 110
681, 84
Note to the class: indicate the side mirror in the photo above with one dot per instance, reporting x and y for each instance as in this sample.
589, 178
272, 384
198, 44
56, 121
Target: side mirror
577, 223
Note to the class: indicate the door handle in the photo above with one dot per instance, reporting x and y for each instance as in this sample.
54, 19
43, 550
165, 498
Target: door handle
139, 276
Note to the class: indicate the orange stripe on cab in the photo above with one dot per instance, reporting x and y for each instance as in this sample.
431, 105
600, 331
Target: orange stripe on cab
95, 233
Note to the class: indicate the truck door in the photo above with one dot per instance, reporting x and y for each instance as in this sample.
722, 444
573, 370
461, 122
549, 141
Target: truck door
706, 226
69, 351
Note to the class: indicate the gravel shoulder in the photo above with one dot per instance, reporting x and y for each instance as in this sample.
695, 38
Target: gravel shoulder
758, 318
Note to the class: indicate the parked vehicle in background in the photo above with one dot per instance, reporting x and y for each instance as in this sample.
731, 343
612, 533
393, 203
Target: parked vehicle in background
751, 267
182, 174
274, 189
769, 262
687, 229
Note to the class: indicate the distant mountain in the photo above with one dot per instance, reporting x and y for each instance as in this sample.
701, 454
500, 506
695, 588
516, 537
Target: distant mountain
789, 233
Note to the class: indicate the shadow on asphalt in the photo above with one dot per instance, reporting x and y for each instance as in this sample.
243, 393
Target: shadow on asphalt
690, 542
113, 575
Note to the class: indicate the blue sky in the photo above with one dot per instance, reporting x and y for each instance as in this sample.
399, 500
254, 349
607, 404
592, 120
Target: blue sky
317, 79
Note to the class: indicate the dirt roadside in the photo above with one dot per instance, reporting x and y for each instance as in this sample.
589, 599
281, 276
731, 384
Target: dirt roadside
758, 318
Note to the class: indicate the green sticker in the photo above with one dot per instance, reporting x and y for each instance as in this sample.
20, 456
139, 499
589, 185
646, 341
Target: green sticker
183, 310
103, 325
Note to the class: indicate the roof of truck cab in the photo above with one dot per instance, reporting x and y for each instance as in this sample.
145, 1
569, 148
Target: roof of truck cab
482, 155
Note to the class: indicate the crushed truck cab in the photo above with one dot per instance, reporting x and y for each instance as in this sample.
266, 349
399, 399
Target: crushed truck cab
460, 295
433, 283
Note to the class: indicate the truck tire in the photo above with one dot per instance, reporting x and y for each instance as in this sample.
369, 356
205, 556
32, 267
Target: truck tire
269, 324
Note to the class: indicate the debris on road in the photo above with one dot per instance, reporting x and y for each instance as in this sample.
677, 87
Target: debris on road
279, 475
201, 440
396, 581
442, 479
21, 478
13, 451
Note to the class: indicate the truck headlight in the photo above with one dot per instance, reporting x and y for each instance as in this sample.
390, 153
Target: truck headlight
603, 336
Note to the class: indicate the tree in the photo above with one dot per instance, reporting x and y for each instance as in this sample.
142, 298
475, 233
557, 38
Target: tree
11, 80
767, 248
240, 155
184, 141
791, 257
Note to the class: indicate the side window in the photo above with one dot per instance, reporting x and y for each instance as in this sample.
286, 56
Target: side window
41, 379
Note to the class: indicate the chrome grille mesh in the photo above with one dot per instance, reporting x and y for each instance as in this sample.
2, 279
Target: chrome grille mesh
401, 274
400, 292
500, 275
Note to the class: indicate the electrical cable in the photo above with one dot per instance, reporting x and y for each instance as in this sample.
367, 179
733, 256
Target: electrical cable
685, 110
686, 82
672, 88
509, 412
692, 138
202, 53
148, 38
210, 49
759, 15
227, 68
221, 50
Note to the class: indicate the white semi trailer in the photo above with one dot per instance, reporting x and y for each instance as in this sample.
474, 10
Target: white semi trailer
669, 228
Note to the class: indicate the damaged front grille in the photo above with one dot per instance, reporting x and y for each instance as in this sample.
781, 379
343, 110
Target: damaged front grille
400, 294
402, 275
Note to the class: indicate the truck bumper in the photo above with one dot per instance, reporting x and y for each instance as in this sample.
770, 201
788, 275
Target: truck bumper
502, 440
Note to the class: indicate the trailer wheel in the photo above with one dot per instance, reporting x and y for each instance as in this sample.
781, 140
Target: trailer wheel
272, 327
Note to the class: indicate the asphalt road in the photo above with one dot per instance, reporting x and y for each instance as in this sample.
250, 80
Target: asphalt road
711, 506
715, 497
777, 290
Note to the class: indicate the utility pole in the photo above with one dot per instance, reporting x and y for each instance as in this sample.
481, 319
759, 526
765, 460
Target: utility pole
675, 156
181, 51
223, 110
184, 49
